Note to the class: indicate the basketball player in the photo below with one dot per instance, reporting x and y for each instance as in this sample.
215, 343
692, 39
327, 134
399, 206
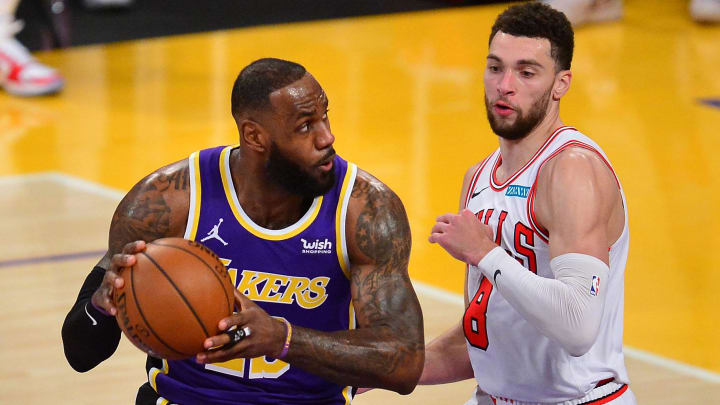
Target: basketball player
318, 248
543, 231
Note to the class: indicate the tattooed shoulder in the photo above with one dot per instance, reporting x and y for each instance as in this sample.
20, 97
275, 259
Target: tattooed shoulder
156, 207
378, 229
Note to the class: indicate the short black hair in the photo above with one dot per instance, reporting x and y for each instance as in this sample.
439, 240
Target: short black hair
538, 20
257, 80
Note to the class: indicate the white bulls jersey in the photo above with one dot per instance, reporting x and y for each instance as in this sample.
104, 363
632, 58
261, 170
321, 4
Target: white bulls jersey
510, 357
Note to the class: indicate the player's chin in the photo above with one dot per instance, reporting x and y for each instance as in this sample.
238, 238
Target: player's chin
505, 121
324, 180
504, 126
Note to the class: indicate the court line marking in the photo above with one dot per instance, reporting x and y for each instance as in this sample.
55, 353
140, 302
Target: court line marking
52, 258
429, 290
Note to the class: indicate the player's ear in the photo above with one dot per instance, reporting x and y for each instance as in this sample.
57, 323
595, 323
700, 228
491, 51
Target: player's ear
562, 84
253, 135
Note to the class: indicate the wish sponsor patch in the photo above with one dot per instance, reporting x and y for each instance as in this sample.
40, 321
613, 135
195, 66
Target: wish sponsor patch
316, 246
517, 191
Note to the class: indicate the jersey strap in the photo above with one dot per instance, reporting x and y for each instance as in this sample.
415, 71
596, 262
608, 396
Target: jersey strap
474, 179
534, 224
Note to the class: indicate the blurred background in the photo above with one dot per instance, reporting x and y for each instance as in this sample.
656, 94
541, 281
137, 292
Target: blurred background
147, 82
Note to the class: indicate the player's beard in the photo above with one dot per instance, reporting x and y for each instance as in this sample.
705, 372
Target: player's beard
524, 123
294, 179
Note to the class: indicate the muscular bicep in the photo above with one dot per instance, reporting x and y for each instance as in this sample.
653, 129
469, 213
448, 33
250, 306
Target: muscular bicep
156, 207
379, 241
578, 202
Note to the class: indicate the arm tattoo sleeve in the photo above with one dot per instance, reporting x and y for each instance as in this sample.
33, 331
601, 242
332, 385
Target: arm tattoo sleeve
388, 348
146, 213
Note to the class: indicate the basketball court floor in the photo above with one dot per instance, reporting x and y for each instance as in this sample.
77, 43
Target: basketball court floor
406, 105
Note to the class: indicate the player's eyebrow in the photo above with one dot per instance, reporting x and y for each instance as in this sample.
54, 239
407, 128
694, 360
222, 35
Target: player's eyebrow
305, 113
304, 108
531, 62
521, 62
309, 109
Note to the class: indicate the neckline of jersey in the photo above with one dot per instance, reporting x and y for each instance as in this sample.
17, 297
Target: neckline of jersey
246, 222
497, 186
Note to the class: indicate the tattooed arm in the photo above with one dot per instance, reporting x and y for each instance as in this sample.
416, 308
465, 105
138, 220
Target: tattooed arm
387, 349
156, 207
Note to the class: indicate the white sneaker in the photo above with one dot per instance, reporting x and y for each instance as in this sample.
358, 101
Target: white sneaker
580, 12
705, 11
22, 75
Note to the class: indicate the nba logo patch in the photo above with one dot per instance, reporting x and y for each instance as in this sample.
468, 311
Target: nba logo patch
595, 287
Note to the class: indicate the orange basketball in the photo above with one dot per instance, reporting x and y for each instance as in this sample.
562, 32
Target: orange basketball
173, 298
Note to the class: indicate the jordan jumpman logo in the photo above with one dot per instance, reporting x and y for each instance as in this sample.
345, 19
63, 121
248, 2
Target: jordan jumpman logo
215, 233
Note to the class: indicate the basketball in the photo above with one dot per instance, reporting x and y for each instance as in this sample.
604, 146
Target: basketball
173, 298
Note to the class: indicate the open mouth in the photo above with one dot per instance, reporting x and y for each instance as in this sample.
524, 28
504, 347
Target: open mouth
327, 164
502, 108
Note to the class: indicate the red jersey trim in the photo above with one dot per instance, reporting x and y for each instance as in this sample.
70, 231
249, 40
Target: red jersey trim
494, 184
539, 230
609, 397
599, 401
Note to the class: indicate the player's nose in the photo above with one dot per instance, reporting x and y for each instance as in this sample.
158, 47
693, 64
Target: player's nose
325, 137
506, 85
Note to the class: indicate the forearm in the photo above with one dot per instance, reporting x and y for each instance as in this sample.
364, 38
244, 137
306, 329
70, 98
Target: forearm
373, 357
567, 309
89, 337
446, 359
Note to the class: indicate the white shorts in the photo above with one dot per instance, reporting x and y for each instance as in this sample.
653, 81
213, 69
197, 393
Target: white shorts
610, 393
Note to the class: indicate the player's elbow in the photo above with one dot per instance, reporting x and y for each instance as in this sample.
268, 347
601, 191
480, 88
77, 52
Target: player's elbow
579, 342
79, 366
74, 354
581, 326
83, 352
405, 385
406, 389
74, 357
578, 349
409, 375
402, 370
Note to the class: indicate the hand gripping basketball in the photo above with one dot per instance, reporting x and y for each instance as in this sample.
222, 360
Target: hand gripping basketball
255, 334
175, 293
102, 298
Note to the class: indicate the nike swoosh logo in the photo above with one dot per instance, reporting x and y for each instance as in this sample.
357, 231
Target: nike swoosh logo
90, 316
497, 273
478, 193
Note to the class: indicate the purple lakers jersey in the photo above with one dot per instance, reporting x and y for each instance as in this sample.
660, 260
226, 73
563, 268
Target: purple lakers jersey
298, 273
